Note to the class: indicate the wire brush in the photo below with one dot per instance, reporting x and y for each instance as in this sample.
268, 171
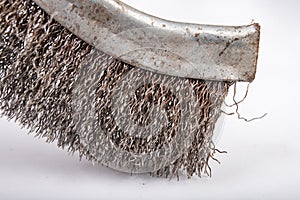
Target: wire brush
112, 112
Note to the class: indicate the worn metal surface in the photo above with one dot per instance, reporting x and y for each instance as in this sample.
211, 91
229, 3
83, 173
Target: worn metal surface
178, 49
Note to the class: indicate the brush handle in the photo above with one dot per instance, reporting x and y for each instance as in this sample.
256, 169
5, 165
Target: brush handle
196, 51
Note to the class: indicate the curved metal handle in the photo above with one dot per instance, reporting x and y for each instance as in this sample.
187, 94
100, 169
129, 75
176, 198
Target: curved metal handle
178, 49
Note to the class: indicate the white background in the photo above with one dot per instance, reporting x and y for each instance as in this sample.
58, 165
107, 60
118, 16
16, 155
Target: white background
263, 156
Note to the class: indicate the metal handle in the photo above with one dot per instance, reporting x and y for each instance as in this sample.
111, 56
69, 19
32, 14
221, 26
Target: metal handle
177, 49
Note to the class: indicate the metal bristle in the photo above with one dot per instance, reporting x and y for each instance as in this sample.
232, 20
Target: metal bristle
63, 89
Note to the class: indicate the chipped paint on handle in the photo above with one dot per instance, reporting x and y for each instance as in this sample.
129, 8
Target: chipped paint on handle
177, 49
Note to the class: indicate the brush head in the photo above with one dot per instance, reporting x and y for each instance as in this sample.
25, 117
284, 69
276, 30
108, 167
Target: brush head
112, 113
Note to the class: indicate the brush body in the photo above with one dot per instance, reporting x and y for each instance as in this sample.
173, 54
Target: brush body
128, 118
